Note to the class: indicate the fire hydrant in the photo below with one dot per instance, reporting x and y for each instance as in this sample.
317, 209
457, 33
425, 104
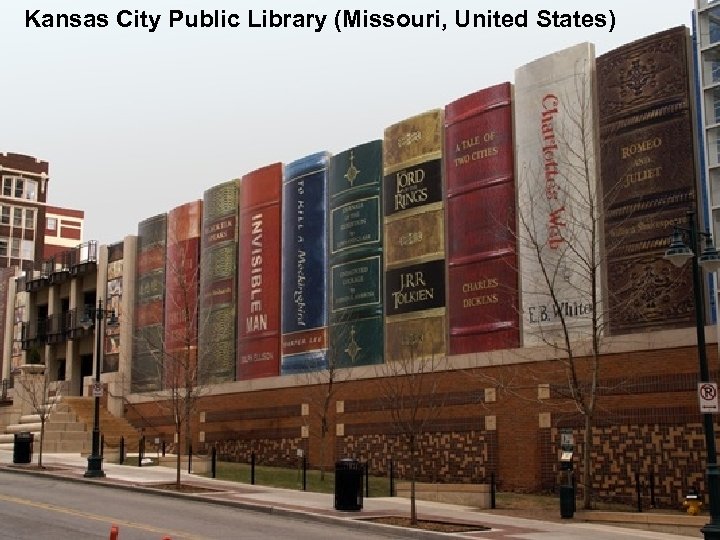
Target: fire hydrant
692, 502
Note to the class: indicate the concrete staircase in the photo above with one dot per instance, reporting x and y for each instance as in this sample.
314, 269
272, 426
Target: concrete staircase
111, 427
68, 428
27, 422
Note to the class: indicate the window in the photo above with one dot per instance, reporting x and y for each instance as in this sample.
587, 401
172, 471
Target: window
715, 70
52, 223
15, 248
31, 190
19, 187
714, 25
3, 247
17, 217
4, 215
29, 218
27, 251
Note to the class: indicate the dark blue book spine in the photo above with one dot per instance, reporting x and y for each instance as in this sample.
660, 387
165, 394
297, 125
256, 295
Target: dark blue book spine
304, 265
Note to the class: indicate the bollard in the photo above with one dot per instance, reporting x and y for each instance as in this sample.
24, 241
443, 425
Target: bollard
392, 478
113, 532
492, 491
574, 484
367, 478
190, 459
252, 469
122, 450
652, 490
141, 450
163, 448
304, 464
213, 462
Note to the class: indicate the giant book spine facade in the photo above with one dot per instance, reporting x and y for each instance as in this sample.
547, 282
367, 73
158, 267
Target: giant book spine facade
414, 238
259, 273
218, 281
304, 265
558, 213
149, 336
356, 262
483, 305
648, 176
182, 278
114, 303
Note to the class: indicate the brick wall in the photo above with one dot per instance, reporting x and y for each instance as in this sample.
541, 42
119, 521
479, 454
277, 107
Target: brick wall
485, 420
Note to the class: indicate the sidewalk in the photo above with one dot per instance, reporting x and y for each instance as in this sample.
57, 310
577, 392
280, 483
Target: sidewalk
320, 506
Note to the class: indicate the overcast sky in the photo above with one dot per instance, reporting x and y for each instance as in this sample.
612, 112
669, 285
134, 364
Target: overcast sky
135, 122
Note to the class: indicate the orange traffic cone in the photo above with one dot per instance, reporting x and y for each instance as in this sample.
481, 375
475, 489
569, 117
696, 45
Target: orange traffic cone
114, 532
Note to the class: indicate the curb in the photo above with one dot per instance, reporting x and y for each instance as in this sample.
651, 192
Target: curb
347, 522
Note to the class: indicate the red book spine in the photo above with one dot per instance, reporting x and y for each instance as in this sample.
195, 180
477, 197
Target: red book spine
181, 286
483, 308
259, 273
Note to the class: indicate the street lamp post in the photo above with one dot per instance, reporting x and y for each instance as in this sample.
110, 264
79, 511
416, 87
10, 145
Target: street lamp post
94, 466
678, 254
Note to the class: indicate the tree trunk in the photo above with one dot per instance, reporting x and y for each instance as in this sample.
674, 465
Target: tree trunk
322, 458
178, 459
587, 451
413, 507
42, 436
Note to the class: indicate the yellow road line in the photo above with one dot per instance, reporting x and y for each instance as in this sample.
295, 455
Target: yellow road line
96, 517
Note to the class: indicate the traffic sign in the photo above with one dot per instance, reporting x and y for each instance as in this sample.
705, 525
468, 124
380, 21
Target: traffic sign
708, 396
97, 389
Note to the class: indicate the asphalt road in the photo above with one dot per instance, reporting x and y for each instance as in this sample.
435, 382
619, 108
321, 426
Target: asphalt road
39, 508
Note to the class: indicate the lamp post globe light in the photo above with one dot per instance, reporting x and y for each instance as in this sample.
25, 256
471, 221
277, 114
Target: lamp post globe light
678, 253
98, 314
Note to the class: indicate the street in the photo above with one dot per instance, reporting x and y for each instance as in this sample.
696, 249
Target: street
33, 507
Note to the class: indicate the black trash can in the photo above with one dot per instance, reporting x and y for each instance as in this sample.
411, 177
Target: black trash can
567, 502
348, 485
22, 447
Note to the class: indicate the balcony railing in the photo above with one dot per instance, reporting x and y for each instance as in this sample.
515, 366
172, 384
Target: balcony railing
74, 328
77, 261
57, 326
85, 258
34, 334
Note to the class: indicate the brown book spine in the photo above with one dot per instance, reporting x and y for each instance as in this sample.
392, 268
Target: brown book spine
648, 179
414, 247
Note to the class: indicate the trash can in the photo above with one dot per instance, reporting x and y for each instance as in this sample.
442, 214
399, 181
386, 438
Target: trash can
348, 485
567, 502
22, 447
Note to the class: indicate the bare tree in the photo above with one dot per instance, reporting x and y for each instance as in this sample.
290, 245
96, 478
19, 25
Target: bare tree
175, 351
409, 389
560, 229
322, 387
179, 363
31, 389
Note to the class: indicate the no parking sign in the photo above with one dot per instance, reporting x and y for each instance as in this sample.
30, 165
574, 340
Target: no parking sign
708, 396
